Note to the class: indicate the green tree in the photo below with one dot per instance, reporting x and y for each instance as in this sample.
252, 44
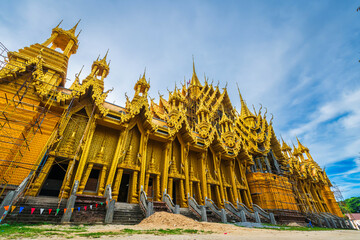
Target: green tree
353, 204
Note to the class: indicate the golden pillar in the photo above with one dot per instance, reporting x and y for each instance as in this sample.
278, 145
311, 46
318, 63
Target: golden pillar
165, 170
102, 181
233, 183
119, 153
133, 193
117, 183
85, 178
142, 153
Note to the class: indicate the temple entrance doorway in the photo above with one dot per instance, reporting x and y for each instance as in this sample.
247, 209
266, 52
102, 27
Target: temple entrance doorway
150, 190
93, 180
54, 180
124, 188
175, 194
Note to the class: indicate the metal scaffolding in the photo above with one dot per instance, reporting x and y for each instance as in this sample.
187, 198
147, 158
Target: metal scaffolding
20, 120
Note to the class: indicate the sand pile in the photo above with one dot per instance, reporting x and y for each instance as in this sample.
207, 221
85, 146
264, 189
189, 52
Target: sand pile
169, 220
165, 220
295, 224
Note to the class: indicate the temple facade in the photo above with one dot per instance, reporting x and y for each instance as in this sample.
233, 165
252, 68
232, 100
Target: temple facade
192, 143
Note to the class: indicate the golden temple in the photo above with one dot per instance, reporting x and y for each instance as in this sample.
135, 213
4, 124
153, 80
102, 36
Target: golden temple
192, 144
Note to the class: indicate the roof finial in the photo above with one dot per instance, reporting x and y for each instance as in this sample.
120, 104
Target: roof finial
73, 29
144, 73
59, 23
245, 112
78, 33
254, 108
78, 74
76, 24
106, 54
241, 99
193, 64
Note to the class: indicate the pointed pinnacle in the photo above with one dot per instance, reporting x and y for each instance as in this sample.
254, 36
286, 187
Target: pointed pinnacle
241, 99
78, 33
74, 28
193, 64
59, 23
144, 73
80, 71
106, 54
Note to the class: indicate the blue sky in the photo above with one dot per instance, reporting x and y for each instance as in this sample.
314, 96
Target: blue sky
298, 58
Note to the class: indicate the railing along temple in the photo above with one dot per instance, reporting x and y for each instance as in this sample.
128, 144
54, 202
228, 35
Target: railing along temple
169, 202
269, 216
197, 209
145, 205
234, 211
220, 213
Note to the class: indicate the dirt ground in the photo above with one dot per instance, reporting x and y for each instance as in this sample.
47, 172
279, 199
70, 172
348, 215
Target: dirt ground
164, 220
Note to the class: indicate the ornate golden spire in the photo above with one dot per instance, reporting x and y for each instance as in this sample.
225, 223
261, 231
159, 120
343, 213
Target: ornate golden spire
73, 29
63, 39
245, 112
301, 147
284, 146
194, 79
142, 86
194, 84
296, 152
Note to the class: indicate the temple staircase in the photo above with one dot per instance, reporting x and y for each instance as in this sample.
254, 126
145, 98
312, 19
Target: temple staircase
127, 213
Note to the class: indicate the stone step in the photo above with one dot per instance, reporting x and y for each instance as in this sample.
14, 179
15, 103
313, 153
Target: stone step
127, 214
188, 213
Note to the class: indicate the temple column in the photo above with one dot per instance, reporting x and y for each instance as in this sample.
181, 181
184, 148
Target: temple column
84, 155
219, 174
133, 195
142, 153
117, 183
200, 197
186, 166
233, 183
170, 187
119, 153
203, 176
50, 39
102, 181
66, 182
165, 170
85, 178
147, 177
68, 48
226, 197
218, 196
209, 195
157, 188
182, 194
191, 189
